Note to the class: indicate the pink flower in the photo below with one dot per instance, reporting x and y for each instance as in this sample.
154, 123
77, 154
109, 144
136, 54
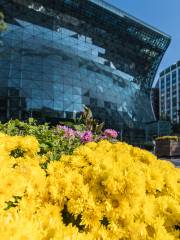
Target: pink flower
68, 132
111, 133
87, 137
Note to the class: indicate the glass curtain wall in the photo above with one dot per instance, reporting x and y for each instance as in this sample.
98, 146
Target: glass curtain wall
54, 62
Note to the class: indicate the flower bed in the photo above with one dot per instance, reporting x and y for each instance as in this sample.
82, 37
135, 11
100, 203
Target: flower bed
164, 138
57, 140
168, 146
102, 191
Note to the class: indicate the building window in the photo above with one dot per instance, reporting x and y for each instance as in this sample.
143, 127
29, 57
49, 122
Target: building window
179, 75
162, 83
168, 80
174, 78
174, 93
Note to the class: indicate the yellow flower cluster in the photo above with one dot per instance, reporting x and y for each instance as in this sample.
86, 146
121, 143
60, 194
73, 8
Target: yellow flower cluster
175, 138
103, 191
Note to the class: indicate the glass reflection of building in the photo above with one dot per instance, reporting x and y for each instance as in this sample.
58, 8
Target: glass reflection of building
60, 55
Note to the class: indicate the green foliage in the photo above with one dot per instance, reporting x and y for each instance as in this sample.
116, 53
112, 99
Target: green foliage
52, 142
17, 153
69, 218
13, 203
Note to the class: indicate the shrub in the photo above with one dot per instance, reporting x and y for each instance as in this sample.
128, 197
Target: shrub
57, 140
102, 191
175, 138
53, 142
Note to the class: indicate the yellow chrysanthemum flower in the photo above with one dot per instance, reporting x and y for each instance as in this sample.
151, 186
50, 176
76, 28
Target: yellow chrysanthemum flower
103, 191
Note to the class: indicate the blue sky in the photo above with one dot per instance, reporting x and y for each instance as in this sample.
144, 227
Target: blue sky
162, 14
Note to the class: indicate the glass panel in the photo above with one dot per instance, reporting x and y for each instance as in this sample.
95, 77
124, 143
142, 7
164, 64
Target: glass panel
61, 65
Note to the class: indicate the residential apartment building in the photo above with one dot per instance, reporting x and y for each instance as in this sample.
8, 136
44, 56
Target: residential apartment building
169, 93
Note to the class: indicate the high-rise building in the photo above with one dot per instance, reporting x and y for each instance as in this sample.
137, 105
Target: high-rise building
169, 97
59, 55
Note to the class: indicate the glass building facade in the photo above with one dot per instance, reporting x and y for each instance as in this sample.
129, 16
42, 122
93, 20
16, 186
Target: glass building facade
169, 87
58, 55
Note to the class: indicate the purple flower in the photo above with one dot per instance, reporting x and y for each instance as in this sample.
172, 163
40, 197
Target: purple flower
110, 133
87, 137
68, 132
